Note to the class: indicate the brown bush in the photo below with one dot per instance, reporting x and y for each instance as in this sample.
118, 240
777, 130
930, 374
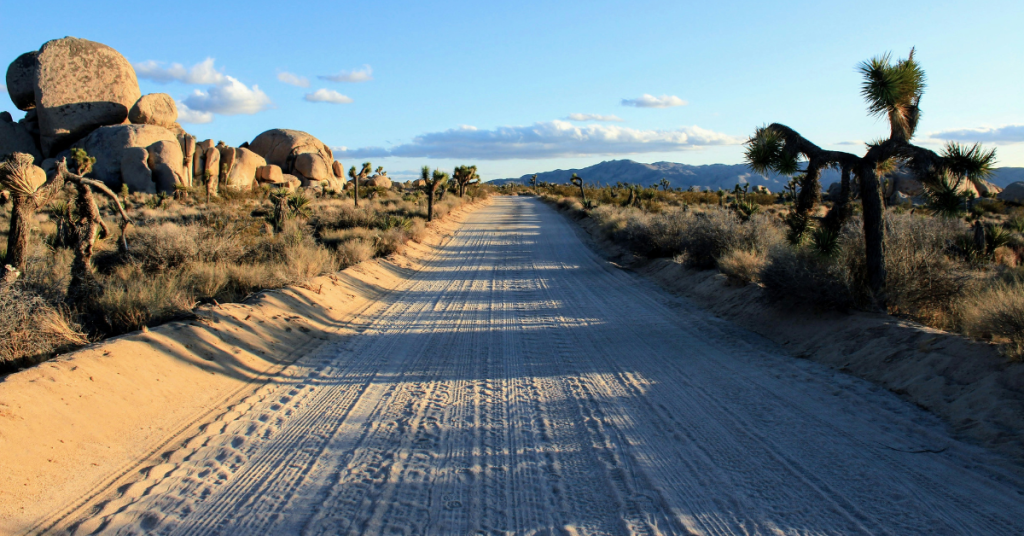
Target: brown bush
997, 312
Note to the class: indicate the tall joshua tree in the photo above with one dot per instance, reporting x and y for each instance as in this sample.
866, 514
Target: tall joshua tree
578, 181
359, 177
433, 182
465, 176
30, 190
892, 90
533, 181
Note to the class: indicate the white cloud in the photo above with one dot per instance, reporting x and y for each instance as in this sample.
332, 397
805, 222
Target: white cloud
850, 142
200, 73
3, 88
594, 117
650, 101
293, 79
229, 98
1004, 134
327, 95
549, 139
188, 115
356, 75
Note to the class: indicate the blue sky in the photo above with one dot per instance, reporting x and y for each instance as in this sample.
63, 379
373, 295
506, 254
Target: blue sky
404, 84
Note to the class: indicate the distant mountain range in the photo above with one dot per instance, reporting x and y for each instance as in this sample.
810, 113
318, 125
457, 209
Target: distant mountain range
712, 176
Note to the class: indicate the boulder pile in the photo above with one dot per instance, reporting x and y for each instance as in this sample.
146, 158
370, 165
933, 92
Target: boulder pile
81, 94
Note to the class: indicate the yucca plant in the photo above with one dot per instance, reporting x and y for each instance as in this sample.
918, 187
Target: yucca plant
1016, 224
893, 90
746, 209
825, 241
944, 197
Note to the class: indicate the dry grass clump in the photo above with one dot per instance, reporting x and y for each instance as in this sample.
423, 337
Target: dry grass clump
997, 312
32, 329
742, 265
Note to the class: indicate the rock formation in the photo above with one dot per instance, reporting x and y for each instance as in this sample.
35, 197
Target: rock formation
1013, 193
79, 85
165, 161
21, 81
135, 170
242, 173
154, 109
298, 153
108, 145
15, 138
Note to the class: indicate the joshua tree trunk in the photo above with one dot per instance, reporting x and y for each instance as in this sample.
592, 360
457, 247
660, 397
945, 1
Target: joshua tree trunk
84, 231
22, 210
30, 189
430, 203
836, 218
874, 230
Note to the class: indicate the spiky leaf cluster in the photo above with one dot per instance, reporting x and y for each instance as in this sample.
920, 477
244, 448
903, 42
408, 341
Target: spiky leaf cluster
894, 91
766, 151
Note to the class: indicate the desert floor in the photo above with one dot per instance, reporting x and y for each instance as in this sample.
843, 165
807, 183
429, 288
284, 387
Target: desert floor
521, 384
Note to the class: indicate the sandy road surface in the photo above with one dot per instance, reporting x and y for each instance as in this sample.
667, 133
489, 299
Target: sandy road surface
521, 385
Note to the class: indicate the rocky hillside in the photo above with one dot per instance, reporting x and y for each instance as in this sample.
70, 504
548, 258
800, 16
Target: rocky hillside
713, 176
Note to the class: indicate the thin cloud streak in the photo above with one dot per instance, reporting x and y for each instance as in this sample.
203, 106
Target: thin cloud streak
354, 76
201, 73
595, 117
328, 96
999, 135
650, 101
293, 79
552, 139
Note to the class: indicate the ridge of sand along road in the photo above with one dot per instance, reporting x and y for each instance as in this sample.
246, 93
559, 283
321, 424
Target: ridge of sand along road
520, 384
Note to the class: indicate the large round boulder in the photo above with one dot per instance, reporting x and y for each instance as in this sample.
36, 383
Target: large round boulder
378, 181
1013, 193
243, 169
21, 80
80, 85
154, 109
165, 159
108, 145
285, 148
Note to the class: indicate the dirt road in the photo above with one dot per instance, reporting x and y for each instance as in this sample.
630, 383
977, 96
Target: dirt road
522, 385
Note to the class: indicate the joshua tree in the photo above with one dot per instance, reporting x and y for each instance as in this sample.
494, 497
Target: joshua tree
30, 190
86, 227
533, 181
439, 178
358, 177
892, 90
665, 184
463, 177
578, 182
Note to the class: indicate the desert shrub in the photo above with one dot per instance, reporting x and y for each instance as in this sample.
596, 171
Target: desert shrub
742, 265
997, 311
130, 299
709, 235
164, 246
798, 276
353, 252
31, 328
